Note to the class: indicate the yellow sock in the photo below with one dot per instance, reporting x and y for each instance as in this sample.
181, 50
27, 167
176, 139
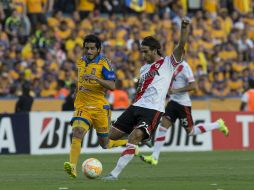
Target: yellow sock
75, 150
116, 143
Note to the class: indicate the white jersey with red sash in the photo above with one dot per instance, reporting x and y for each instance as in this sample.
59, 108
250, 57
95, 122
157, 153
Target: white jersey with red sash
154, 82
182, 76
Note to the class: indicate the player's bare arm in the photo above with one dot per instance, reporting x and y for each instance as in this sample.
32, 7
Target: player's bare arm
191, 86
108, 84
179, 49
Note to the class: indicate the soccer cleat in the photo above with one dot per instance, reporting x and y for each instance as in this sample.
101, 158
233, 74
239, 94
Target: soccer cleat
109, 177
70, 169
149, 160
223, 128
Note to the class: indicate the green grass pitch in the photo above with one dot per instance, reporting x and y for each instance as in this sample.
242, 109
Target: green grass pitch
219, 170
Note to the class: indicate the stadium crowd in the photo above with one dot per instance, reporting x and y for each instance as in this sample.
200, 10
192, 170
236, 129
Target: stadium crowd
41, 40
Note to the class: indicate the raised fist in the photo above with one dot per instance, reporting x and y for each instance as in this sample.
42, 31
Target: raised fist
186, 21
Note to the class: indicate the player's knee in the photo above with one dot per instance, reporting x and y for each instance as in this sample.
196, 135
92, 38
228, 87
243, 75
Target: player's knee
138, 133
136, 136
78, 132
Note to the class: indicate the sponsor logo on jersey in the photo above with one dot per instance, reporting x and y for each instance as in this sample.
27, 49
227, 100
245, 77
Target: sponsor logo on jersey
150, 74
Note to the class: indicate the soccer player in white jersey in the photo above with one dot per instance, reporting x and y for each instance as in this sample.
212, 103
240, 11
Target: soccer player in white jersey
179, 107
140, 119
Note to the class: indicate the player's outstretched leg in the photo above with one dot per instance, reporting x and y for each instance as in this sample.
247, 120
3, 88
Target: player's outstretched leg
223, 128
126, 157
70, 169
159, 140
205, 127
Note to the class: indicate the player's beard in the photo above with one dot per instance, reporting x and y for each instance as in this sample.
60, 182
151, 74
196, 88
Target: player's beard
93, 56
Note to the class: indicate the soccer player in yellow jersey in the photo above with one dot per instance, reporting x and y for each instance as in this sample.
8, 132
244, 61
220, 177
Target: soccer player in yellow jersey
95, 76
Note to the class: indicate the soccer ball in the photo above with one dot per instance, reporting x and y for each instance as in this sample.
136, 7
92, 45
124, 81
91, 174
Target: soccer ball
92, 168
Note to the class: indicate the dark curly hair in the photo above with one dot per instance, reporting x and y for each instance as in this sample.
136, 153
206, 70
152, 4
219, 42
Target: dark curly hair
92, 39
152, 43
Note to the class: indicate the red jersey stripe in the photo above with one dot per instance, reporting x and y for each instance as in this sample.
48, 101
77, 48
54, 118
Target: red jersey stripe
154, 121
189, 118
177, 71
173, 61
148, 80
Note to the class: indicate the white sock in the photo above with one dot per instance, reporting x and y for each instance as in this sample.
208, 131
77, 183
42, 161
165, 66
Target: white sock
204, 127
159, 140
126, 157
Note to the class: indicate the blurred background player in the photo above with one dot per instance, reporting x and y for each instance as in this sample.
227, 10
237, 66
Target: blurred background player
62, 92
36, 11
95, 76
140, 120
85, 7
68, 104
179, 107
247, 103
25, 101
118, 98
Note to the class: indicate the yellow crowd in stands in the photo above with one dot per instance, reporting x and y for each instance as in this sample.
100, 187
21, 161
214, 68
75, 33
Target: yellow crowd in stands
220, 47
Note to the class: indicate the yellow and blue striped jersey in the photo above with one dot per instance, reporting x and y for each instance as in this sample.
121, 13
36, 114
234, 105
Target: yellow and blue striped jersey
91, 94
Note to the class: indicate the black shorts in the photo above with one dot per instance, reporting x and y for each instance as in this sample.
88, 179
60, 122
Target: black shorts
177, 111
138, 117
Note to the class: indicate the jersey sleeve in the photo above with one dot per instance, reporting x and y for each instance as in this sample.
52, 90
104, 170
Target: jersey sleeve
173, 60
189, 74
169, 64
107, 70
78, 67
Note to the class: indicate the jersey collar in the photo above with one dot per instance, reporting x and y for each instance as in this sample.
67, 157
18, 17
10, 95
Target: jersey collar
95, 60
155, 61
